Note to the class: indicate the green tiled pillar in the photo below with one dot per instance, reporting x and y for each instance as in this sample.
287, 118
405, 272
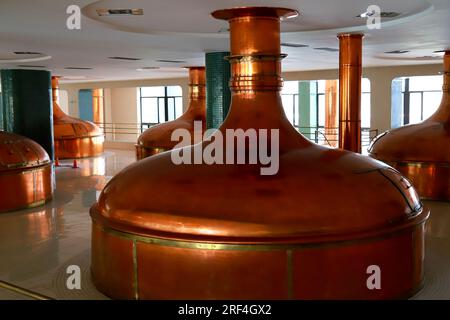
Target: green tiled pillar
307, 105
218, 95
27, 105
1, 109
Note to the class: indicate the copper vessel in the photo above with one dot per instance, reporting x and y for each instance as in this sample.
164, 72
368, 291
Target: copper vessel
25, 173
158, 138
74, 138
350, 72
313, 230
422, 151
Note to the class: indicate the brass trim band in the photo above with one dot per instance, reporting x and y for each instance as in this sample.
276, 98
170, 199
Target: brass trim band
22, 291
246, 247
420, 164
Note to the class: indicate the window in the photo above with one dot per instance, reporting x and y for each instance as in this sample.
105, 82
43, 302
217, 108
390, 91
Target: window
159, 105
419, 99
289, 96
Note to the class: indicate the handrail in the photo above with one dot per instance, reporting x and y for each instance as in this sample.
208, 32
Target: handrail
320, 135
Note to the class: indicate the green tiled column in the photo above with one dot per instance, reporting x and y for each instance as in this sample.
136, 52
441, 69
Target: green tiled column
27, 105
1, 109
218, 95
307, 105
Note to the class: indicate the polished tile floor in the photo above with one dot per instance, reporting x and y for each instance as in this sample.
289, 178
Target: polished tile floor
37, 245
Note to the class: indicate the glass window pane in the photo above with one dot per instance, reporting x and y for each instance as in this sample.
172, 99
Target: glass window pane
152, 92
365, 85
174, 91
431, 101
321, 108
425, 83
290, 87
149, 110
288, 107
415, 108
365, 110
296, 110
171, 108
321, 86
178, 107
162, 113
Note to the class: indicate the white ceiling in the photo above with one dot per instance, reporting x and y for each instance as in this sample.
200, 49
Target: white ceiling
184, 30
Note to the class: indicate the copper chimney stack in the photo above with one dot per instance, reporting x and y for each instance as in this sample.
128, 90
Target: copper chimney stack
309, 230
158, 138
350, 71
422, 151
74, 138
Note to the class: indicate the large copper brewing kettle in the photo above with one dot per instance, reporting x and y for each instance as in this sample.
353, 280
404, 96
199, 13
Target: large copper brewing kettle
158, 138
74, 138
422, 151
25, 173
311, 231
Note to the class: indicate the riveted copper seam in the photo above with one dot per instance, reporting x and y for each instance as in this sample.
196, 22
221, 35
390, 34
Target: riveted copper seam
350, 71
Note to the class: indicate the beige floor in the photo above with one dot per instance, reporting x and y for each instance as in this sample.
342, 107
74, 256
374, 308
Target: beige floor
37, 245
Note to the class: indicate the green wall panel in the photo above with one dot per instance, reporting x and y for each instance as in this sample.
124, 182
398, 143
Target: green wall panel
218, 95
27, 105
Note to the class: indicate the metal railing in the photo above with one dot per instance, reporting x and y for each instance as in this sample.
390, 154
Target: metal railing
323, 136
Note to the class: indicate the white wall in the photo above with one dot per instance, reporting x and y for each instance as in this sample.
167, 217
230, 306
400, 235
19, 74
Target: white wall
123, 109
64, 100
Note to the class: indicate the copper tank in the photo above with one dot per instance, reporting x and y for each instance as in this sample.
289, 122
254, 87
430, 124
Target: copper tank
422, 151
314, 230
74, 138
158, 138
25, 173
350, 72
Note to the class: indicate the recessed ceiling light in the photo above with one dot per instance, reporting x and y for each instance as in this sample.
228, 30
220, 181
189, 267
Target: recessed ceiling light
397, 51
78, 68
30, 66
294, 45
147, 68
124, 58
26, 52
389, 14
383, 14
120, 12
327, 49
171, 61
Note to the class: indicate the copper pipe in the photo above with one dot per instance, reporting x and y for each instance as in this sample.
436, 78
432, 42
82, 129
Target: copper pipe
331, 111
350, 72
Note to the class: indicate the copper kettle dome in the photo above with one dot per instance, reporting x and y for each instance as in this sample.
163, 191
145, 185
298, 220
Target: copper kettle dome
224, 231
74, 138
422, 151
25, 173
158, 138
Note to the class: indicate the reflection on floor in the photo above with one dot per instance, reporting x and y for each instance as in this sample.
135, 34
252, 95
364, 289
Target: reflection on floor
37, 245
